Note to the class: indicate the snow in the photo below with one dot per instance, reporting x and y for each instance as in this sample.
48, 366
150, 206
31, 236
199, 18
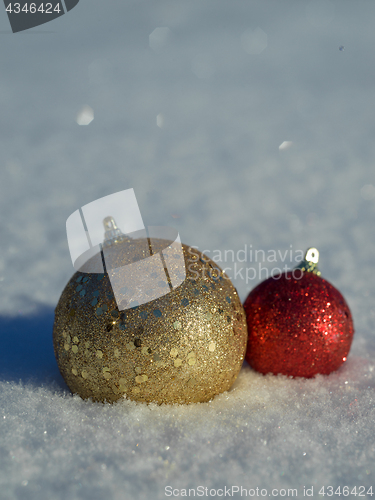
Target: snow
191, 113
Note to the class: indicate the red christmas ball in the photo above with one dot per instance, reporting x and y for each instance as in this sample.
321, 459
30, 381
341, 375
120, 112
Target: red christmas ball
299, 325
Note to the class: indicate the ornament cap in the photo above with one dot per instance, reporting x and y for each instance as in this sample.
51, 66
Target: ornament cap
112, 233
310, 261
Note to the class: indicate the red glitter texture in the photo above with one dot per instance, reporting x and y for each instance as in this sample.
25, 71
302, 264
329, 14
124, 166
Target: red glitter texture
299, 325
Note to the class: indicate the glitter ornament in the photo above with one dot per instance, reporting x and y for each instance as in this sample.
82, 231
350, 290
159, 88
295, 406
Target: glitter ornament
183, 347
298, 323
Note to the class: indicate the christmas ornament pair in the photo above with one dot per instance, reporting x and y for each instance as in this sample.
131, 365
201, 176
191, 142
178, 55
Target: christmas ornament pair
156, 321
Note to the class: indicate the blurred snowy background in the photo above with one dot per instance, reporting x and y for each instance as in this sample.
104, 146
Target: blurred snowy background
239, 123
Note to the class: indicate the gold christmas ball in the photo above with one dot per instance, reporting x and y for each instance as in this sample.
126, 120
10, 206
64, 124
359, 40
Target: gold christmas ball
184, 347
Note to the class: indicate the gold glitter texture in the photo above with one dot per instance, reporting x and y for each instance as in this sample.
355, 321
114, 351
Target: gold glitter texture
184, 347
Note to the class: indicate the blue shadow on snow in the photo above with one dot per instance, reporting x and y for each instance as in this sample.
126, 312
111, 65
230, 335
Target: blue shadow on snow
26, 349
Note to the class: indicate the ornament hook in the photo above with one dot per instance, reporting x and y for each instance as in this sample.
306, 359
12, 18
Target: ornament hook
112, 233
310, 262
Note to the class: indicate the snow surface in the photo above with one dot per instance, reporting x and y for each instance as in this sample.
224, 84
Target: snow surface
192, 117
